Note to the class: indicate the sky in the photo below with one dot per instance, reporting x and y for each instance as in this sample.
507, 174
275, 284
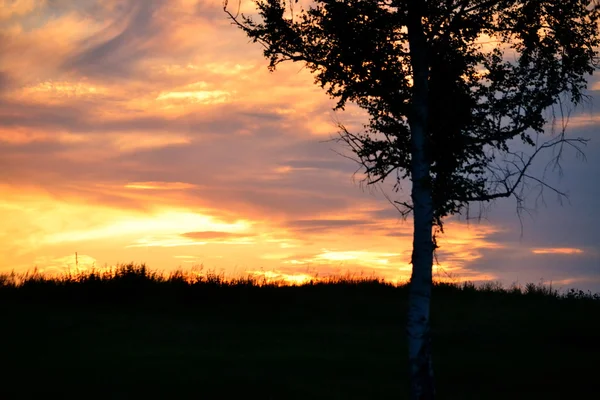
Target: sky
152, 132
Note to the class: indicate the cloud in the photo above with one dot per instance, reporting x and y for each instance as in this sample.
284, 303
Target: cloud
18, 8
116, 53
563, 251
324, 224
5, 82
159, 185
209, 235
522, 266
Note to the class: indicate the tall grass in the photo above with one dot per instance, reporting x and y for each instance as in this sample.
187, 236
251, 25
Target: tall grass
136, 282
131, 332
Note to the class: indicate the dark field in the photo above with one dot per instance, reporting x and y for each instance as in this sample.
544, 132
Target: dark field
136, 335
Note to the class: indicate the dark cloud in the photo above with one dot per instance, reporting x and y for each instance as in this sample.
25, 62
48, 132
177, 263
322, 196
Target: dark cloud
46, 116
263, 116
207, 11
33, 150
79, 116
325, 225
519, 264
334, 163
5, 82
399, 234
106, 56
277, 204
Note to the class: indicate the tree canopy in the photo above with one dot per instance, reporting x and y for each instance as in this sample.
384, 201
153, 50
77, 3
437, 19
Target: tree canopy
495, 67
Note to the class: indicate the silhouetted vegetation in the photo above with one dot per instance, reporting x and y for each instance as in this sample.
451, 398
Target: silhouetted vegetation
136, 333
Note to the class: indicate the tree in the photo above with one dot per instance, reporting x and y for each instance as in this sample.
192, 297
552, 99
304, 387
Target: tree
449, 85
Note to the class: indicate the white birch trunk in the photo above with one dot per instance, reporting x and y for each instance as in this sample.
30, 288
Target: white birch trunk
418, 324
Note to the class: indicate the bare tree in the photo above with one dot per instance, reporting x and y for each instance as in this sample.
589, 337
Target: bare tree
448, 86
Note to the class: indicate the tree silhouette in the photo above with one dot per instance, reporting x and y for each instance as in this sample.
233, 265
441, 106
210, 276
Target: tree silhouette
448, 86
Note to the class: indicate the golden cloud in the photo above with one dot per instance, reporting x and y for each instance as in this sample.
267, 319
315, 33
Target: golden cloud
20, 8
557, 250
159, 185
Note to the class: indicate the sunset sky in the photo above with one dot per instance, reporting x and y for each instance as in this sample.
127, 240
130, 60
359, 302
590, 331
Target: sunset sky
152, 131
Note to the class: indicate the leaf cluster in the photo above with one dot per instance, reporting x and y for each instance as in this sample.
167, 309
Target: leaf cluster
494, 67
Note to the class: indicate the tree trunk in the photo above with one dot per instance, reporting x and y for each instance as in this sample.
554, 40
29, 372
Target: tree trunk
418, 325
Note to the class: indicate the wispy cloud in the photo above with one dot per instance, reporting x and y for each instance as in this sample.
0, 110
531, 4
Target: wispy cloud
208, 235
159, 185
564, 251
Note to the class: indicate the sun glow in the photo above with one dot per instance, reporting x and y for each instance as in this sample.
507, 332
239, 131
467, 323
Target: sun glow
163, 222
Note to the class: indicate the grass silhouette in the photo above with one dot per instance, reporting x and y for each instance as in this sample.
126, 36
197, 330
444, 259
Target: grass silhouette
135, 333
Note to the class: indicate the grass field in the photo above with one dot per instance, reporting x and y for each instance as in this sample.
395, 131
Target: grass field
135, 334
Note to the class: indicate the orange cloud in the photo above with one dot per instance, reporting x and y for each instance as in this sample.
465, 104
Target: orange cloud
159, 185
557, 250
19, 8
